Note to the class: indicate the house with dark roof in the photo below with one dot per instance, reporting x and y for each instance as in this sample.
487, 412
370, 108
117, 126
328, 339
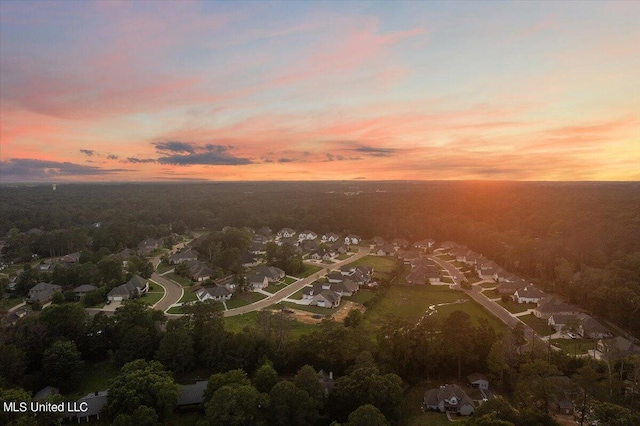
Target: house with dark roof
257, 281
378, 241
125, 255
198, 270
590, 328
408, 256
400, 243
191, 395
326, 299
186, 255
478, 380
146, 247
93, 404
71, 258
135, 287
618, 347
265, 230
43, 292
273, 274
510, 287
218, 293
552, 307
386, 250
286, 233
44, 267
335, 277
12, 317
83, 289
418, 276
249, 260
449, 398
424, 244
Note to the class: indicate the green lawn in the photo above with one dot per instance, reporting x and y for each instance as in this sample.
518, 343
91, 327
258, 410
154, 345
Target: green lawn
445, 257
175, 310
289, 280
95, 376
539, 325
298, 294
574, 346
313, 309
188, 296
447, 279
309, 270
472, 278
410, 303
242, 299
184, 282
343, 256
238, 323
272, 288
361, 296
488, 285
152, 297
7, 304
164, 267
514, 307
382, 266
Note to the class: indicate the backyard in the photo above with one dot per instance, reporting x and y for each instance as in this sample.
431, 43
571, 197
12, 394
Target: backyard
574, 346
242, 299
309, 270
382, 266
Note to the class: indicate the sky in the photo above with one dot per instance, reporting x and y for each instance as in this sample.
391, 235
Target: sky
303, 90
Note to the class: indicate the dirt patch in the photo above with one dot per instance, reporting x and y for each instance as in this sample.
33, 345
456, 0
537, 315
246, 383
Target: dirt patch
305, 317
344, 309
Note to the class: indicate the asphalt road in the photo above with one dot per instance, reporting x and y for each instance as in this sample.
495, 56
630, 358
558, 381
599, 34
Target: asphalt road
292, 288
476, 294
173, 292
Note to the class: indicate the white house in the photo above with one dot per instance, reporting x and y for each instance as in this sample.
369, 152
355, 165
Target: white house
286, 233
257, 281
352, 239
528, 294
307, 235
478, 380
330, 238
214, 293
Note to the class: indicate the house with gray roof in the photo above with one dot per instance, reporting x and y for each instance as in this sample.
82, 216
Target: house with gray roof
286, 233
191, 395
43, 292
135, 287
257, 281
386, 250
330, 238
352, 239
198, 270
93, 402
83, 289
448, 398
146, 247
326, 299
528, 294
71, 258
273, 273
553, 307
186, 255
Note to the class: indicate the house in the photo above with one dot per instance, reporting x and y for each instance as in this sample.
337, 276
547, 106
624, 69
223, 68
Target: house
272, 273
257, 281
186, 255
378, 241
125, 255
488, 273
365, 270
12, 317
326, 299
510, 287
590, 328
618, 347
146, 247
528, 294
551, 307
326, 381
191, 395
345, 288
347, 270
418, 276
214, 293
92, 404
46, 392
352, 239
249, 260
448, 398
43, 292
265, 230
335, 277
400, 243
478, 380
329, 255
135, 287
228, 282
71, 258
286, 233
317, 254
425, 244
83, 289
340, 247
561, 322
309, 292
307, 235
199, 271
310, 245
44, 267
258, 247
408, 256
330, 238
386, 250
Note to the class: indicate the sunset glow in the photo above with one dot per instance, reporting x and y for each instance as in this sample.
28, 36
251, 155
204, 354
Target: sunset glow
149, 91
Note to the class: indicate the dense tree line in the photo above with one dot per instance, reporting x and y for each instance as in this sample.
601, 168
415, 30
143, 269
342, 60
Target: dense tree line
579, 239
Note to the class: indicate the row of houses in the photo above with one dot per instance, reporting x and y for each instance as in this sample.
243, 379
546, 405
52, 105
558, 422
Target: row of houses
345, 282
223, 289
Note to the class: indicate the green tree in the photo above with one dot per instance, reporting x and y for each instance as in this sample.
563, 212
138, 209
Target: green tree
459, 341
12, 362
68, 321
536, 388
18, 419
176, 350
237, 405
307, 379
265, 378
231, 377
367, 415
354, 317
62, 365
291, 405
142, 383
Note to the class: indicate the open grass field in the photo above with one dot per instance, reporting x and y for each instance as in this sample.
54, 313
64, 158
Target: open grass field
382, 266
238, 323
309, 270
184, 282
361, 296
539, 325
411, 303
152, 297
574, 346
242, 299
514, 307
272, 288
95, 376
